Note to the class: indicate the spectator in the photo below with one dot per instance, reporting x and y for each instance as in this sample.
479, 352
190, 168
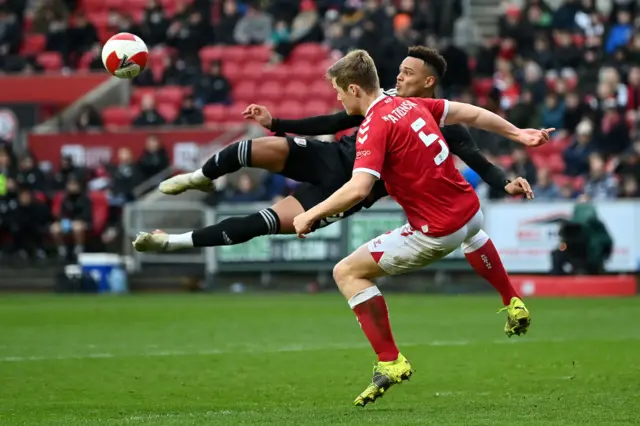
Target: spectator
600, 185
180, 72
574, 111
542, 53
67, 171
214, 87
523, 166
30, 176
620, 33
545, 189
75, 218
6, 169
149, 116
83, 34
33, 219
224, 30
8, 208
10, 32
564, 17
189, 35
567, 192
154, 24
280, 42
245, 191
615, 133
46, 12
525, 113
190, 114
534, 82
567, 54
154, 158
88, 119
633, 89
553, 112
629, 188
124, 177
254, 27
576, 156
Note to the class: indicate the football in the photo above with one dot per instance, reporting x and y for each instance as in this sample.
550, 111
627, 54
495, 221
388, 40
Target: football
125, 55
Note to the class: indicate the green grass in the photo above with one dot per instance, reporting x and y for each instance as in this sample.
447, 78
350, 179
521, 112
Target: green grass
301, 360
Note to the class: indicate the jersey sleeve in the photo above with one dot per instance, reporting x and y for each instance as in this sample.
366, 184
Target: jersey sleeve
438, 108
371, 144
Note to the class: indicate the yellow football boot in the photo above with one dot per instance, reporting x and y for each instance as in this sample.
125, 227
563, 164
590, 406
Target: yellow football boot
518, 318
385, 375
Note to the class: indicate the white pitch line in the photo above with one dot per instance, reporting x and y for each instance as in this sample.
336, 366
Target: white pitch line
289, 348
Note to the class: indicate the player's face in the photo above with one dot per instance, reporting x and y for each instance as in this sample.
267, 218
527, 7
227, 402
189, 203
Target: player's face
348, 98
413, 78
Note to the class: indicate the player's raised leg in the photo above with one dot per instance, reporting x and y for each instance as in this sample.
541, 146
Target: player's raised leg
353, 276
485, 260
277, 219
268, 153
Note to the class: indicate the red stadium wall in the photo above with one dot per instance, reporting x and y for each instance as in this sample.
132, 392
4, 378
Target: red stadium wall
54, 89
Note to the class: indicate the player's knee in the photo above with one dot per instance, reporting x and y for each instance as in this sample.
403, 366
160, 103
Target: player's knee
342, 272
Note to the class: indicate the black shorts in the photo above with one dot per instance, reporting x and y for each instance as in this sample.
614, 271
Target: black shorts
323, 168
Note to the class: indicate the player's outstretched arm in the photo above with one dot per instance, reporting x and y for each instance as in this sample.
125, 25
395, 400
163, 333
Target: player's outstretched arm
342, 200
318, 125
461, 113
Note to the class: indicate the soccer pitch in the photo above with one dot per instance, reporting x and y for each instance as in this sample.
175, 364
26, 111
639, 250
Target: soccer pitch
284, 359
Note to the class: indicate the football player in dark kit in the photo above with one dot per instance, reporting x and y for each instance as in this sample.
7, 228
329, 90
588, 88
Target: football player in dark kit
322, 167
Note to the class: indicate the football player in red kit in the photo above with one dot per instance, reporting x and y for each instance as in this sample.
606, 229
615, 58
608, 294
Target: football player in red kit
400, 142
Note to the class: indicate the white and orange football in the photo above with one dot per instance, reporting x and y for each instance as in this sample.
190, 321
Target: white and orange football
125, 55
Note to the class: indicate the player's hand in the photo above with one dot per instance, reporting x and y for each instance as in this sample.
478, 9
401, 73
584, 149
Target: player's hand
303, 223
260, 114
534, 137
519, 186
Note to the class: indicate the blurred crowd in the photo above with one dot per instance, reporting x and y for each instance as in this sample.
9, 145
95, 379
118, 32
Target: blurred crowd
46, 213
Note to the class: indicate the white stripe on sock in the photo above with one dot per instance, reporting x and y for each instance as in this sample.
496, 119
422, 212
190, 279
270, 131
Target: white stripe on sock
274, 221
240, 153
363, 296
269, 220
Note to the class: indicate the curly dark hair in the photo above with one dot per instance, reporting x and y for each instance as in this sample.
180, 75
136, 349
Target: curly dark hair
431, 58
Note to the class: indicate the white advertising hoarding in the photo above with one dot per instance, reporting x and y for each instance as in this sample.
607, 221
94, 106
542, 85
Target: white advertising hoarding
526, 233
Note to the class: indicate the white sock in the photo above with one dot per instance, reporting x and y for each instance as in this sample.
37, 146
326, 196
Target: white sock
363, 296
199, 177
180, 241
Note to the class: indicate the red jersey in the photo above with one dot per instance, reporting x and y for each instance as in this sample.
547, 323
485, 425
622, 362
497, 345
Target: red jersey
400, 142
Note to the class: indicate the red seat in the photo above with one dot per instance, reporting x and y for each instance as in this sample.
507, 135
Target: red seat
555, 163
245, 92
269, 91
32, 44
121, 5
482, 86
141, 92
562, 180
94, 5
280, 73
233, 113
168, 111
578, 183
261, 53
56, 204
231, 70
235, 54
50, 61
297, 90
136, 5
291, 109
316, 107
209, 54
99, 18
214, 113
170, 95
100, 208
305, 73
118, 116
251, 71
85, 61
309, 53
505, 161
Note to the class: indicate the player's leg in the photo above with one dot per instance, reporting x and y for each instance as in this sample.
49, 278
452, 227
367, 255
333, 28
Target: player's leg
304, 160
485, 260
277, 219
269, 153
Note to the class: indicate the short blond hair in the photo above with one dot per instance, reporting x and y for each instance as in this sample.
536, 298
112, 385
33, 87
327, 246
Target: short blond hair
357, 67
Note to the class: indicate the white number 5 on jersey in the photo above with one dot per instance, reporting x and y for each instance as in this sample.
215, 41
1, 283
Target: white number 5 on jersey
429, 139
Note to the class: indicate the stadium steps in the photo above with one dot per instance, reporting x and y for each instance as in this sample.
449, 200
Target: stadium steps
28, 277
485, 13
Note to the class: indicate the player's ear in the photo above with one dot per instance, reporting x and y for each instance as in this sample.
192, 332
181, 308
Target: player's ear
353, 89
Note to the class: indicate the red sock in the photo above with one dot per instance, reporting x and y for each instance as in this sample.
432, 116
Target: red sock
486, 262
373, 316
